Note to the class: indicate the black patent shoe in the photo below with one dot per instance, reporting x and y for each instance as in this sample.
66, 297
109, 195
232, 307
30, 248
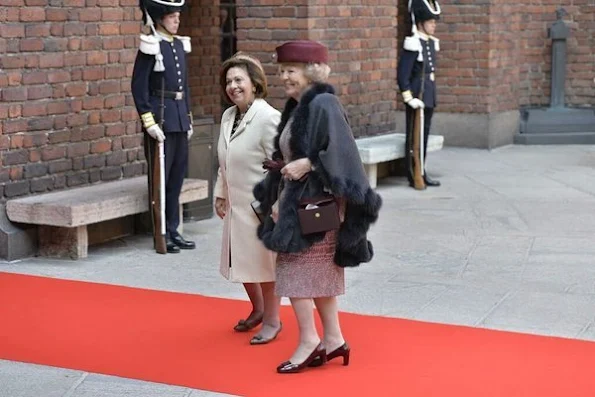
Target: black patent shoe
172, 248
287, 367
183, 244
342, 351
431, 182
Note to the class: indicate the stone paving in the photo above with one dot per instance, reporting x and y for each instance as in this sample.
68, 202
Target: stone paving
508, 243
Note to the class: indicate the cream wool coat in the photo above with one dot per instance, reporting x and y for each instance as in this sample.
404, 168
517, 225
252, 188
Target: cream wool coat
240, 168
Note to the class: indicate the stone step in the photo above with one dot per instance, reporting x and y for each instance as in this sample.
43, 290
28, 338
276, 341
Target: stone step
562, 138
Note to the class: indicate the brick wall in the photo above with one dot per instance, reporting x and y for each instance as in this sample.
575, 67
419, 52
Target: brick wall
362, 43
264, 24
520, 53
463, 60
462, 66
503, 56
495, 55
535, 68
66, 114
200, 21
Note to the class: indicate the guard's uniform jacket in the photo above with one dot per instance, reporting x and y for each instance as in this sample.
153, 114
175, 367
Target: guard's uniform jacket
417, 50
146, 85
163, 56
417, 67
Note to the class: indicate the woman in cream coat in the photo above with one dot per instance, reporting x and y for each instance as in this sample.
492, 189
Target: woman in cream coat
247, 137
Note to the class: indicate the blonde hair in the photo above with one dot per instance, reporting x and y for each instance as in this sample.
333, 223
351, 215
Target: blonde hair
317, 72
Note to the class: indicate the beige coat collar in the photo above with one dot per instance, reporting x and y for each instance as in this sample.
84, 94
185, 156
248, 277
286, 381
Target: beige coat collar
248, 117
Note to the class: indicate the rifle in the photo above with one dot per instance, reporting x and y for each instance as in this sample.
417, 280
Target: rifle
416, 151
157, 188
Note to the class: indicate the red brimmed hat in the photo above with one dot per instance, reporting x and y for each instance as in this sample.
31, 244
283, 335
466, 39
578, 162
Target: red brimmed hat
302, 51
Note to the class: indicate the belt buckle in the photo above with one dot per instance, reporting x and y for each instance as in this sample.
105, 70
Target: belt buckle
179, 95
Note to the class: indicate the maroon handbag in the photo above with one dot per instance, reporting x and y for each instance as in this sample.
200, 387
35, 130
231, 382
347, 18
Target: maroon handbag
318, 214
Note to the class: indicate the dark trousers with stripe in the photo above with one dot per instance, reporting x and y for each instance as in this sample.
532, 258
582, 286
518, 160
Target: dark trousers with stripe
176, 166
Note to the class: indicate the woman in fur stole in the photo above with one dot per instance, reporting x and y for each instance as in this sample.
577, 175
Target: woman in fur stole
316, 151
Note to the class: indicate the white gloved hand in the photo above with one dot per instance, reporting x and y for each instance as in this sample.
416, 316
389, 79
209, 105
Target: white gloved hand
190, 132
416, 103
156, 133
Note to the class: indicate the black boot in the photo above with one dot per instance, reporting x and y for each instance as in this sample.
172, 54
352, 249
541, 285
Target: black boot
181, 243
172, 248
430, 182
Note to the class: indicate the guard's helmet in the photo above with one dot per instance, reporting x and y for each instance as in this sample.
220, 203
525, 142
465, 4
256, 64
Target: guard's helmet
424, 10
154, 10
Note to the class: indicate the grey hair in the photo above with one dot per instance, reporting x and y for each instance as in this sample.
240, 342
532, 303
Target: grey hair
317, 72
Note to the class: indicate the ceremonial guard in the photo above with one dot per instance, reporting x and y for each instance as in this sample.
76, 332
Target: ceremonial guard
161, 95
416, 76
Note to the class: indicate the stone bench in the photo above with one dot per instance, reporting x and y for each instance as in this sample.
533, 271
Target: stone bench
63, 216
379, 149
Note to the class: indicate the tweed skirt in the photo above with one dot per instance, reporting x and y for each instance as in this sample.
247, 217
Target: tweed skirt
311, 273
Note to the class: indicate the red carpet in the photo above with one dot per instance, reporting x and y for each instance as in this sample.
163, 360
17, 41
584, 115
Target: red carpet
186, 340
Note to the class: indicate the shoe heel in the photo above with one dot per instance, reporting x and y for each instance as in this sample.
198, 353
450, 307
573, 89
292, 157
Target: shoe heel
344, 351
323, 357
